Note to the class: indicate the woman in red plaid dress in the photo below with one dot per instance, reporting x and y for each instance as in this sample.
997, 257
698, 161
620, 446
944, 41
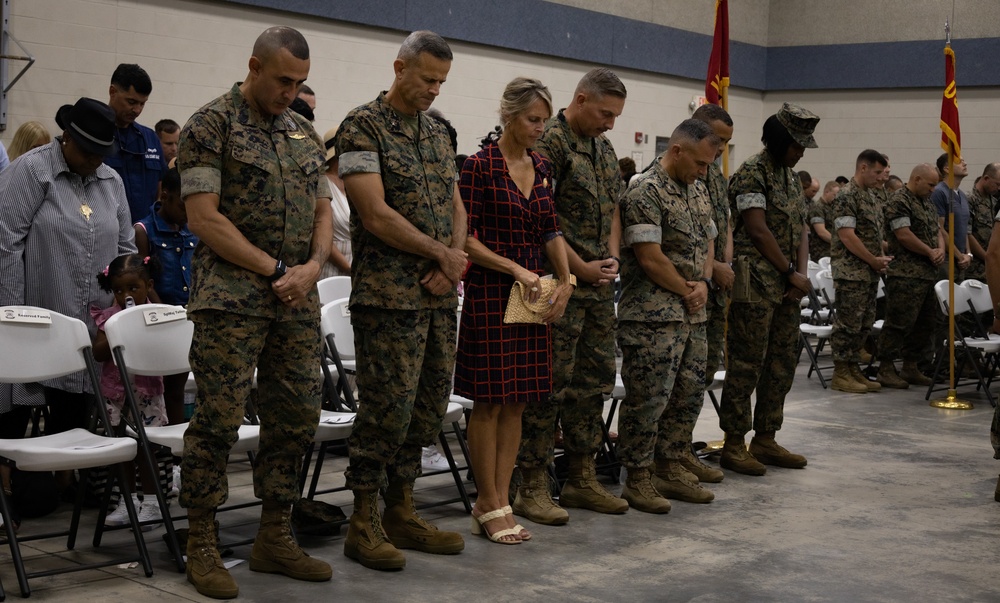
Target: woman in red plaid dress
513, 230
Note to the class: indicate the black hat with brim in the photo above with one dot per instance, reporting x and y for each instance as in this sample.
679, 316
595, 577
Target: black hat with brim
91, 125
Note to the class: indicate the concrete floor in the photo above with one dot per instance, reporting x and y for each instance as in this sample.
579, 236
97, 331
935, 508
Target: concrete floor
895, 505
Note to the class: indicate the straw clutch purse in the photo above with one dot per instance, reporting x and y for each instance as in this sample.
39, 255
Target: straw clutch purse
520, 311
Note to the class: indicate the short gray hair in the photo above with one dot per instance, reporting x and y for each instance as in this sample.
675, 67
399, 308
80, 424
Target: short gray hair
519, 94
600, 82
423, 41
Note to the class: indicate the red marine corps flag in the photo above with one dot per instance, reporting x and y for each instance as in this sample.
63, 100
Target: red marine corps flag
951, 137
718, 63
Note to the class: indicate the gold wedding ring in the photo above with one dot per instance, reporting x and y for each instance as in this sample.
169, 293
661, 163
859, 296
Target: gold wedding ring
289, 298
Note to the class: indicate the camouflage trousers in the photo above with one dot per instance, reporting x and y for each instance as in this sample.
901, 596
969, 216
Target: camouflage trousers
224, 352
405, 363
912, 315
716, 332
663, 368
853, 320
763, 351
583, 370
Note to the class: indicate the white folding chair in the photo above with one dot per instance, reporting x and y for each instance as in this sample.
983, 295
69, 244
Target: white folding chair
35, 345
969, 347
333, 288
154, 340
824, 262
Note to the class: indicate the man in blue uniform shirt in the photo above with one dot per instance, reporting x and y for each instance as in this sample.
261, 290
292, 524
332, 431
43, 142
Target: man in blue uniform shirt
139, 160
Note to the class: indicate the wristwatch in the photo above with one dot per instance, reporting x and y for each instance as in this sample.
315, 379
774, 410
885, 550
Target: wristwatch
790, 271
279, 271
709, 283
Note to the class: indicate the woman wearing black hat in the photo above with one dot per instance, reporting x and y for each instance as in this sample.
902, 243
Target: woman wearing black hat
63, 218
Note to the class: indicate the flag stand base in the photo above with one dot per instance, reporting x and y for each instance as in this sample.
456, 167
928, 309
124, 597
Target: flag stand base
952, 402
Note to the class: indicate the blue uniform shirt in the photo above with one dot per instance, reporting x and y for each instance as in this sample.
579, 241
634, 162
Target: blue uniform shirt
140, 164
174, 249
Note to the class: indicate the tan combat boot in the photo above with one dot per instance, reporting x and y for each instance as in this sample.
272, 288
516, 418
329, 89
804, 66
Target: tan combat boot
407, 530
701, 471
641, 495
204, 565
669, 480
583, 491
912, 375
736, 457
888, 376
769, 452
533, 500
276, 552
873, 386
366, 542
843, 380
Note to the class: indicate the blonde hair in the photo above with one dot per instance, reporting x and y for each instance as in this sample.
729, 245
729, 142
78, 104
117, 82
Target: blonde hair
31, 134
519, 94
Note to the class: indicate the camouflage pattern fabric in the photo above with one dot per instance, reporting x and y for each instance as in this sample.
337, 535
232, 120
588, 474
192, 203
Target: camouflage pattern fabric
858, 209
818, 212
763, 352
914, 315
663, 368
718, 300
980, 227
224, 352
405, 363
268, 176
656, 209
854, 318
763, 184
419, 177
587, 186
663, 346
906, 210
583, 361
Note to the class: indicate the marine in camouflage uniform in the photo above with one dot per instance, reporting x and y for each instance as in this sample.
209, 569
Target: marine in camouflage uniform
909, 288
980, 228
254, 172
716, 185
856, 210
818, 212
267, 175
764, 312
587, 186
404, 330
664, 345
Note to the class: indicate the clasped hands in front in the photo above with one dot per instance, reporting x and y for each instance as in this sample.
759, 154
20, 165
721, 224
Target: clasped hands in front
445, 277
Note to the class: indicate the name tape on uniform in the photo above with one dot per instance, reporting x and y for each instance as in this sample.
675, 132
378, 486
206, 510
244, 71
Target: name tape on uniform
159, 316
26, 316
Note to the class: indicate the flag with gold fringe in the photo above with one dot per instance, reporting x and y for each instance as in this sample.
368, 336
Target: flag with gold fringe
718, 63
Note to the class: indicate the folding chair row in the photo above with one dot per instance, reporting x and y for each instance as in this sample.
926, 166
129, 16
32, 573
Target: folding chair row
35, 345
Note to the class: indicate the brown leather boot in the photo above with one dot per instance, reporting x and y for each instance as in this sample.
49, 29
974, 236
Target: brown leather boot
912, 375
204, 565
736, 457
873, 386
366, 541
641, 495
704, 473
276, 552
844, 381
533, 499
407, 530
888, 376
583, 491
769, 452
670, 481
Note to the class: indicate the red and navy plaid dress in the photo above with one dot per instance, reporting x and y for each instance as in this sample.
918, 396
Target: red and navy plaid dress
499, 363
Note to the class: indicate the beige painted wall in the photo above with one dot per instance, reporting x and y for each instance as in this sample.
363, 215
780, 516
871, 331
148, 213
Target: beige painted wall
748, 19
903, 124
196, 50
